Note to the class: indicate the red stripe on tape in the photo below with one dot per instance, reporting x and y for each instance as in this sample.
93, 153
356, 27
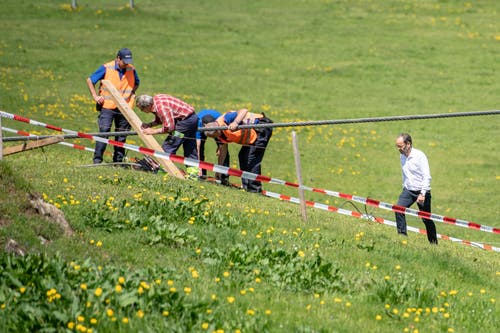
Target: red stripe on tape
372, 202
55, 128
234, 172
84, 135
19, 118
206, 166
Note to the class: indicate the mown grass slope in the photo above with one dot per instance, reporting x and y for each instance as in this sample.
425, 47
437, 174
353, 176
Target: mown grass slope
154, 253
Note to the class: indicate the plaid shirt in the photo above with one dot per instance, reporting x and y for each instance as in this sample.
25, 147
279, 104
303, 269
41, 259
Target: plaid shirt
168, 109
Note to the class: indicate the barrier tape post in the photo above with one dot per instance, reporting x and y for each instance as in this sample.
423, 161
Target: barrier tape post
1, 140
298, 170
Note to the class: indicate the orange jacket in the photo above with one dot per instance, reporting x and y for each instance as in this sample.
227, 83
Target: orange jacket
124, 86
246, 136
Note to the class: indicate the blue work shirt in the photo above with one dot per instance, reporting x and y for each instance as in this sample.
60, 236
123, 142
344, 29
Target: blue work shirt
231, 116
205, 112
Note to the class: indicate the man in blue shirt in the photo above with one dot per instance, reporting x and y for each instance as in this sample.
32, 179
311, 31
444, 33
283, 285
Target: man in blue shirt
206, 116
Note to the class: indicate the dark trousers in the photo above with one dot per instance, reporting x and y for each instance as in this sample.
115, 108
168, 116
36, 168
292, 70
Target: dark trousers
105, 121
188, 128
408, 198
250, 158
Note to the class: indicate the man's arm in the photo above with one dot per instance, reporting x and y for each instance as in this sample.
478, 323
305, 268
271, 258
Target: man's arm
97, 98
137, 82
198, 147
221, 156
239, 118
91, 82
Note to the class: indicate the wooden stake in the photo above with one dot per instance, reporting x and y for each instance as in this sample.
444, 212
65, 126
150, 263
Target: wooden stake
299, 176
135, 122
31, 145
1, 140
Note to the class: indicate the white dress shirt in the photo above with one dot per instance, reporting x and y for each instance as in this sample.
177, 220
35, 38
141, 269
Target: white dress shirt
416, 171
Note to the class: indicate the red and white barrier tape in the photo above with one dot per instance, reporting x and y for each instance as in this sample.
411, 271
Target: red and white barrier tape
375, 219
72, 145
252, 176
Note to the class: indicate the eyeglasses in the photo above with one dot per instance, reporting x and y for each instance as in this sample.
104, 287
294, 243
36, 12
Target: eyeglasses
401, 146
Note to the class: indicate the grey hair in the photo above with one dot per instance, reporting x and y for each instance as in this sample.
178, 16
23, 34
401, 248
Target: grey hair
144, 101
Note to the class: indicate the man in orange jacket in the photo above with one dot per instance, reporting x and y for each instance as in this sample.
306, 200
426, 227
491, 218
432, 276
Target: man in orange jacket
121, 73
253, 142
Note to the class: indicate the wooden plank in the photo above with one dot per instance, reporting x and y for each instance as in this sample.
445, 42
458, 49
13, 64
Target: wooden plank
298, 170
31, 145
136, 122
1, 140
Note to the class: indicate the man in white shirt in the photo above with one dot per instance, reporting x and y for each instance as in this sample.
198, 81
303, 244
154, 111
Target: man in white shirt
416, 185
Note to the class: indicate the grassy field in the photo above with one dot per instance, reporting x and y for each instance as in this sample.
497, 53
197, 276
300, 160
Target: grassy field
152, 253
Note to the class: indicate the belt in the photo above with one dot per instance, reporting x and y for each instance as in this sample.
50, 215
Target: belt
186, 117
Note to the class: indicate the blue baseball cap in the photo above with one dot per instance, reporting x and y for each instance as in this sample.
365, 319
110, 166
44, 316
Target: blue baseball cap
125, 55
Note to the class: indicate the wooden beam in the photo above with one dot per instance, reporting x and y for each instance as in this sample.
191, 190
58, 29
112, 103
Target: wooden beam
1, 140
31, 145
298, 170
136, 122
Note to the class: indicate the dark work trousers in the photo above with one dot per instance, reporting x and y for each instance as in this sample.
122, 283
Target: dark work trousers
408, 198
250, 158
223, 178
105, 121
188, 128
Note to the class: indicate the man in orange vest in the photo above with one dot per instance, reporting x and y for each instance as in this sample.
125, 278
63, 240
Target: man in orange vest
121, 73
253, 142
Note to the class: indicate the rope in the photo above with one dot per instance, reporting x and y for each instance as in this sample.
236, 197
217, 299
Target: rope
361, 120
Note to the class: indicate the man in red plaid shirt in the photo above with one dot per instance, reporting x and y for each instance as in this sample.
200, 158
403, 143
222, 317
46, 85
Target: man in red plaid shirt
177, 118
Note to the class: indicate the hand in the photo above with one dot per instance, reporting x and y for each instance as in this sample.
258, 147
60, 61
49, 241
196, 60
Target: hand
99, 99
421, 198
233, 126
149, 131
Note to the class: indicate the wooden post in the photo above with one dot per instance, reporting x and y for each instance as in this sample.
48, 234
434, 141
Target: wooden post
32, 145
299, 176
136, 123
1, 140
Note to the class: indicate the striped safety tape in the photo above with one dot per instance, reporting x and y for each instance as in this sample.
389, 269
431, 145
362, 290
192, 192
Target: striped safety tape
376, 219
247, 175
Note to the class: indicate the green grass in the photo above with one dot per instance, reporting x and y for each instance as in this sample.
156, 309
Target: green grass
296, 61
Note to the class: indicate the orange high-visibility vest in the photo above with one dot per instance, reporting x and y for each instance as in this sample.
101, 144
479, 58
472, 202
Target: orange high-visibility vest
124, 86
246, 136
